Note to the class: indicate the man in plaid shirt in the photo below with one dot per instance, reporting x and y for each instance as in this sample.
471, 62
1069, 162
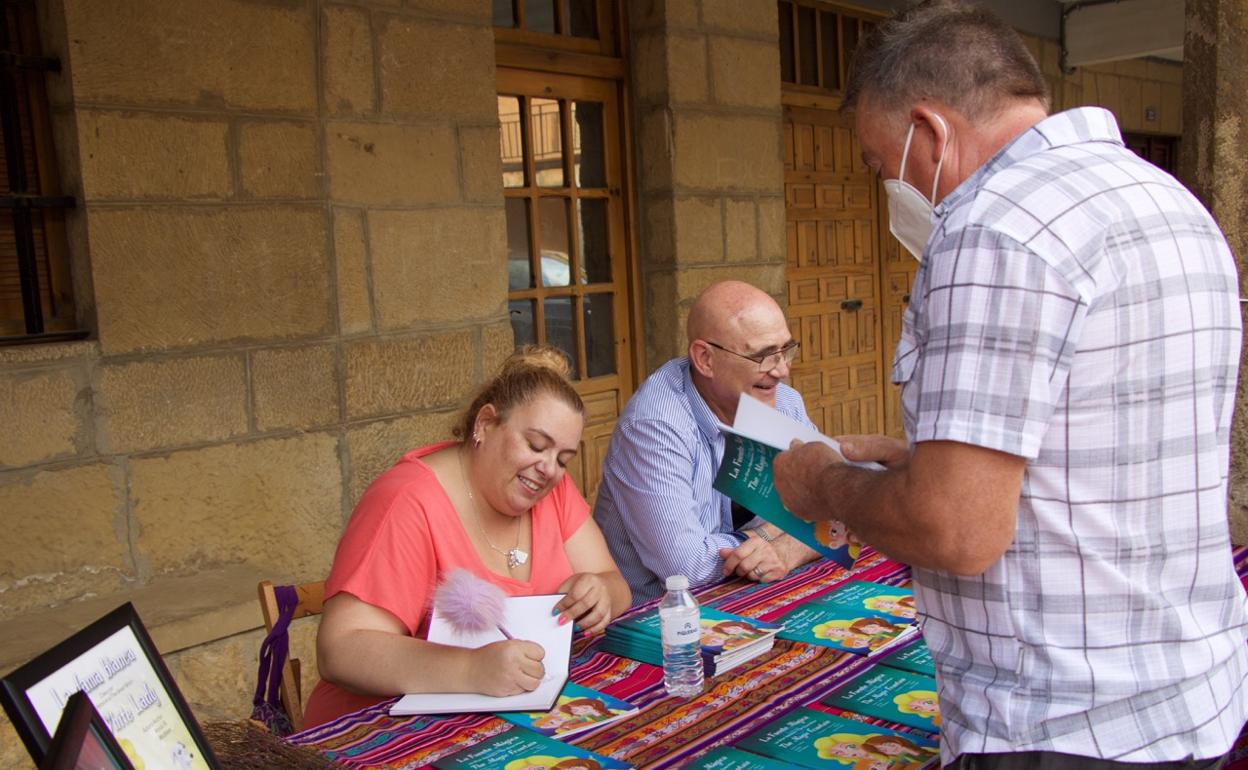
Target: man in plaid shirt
1068, 366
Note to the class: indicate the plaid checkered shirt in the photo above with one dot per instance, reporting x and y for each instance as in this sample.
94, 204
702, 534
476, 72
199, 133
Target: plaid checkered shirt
1077, 306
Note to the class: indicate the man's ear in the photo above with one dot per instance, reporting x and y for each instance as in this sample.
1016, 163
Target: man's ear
935, 124
700, 358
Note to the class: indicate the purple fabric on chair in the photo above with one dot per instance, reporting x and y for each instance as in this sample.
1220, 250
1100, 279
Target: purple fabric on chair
267, 702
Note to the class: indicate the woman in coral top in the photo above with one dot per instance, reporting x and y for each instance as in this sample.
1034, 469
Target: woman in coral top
498, 503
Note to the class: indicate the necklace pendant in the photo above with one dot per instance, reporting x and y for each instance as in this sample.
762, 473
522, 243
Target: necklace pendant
516, 557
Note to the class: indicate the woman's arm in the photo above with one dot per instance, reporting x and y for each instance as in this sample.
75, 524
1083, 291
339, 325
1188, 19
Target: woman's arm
596, 592
365, 649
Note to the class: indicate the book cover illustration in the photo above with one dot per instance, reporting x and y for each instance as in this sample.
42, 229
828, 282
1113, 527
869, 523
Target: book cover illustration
913, 657
519, 749
876, 599
817, 740
578, 709
893, 695
844, 628
722, 632
729, 758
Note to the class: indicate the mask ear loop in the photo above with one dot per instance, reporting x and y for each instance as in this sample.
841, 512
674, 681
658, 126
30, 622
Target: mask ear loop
905, 153
935, 179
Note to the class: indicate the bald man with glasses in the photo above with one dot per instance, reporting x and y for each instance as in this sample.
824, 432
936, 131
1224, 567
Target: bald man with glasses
655, 505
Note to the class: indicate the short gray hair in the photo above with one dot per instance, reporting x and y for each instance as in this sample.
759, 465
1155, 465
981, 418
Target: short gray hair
950, 50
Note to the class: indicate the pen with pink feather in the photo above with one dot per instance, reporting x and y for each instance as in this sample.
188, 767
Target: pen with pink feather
471, 604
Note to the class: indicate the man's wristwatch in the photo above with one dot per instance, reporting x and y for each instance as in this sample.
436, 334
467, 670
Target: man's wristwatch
764, 534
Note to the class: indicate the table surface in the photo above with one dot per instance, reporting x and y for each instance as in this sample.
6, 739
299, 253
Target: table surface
666, 732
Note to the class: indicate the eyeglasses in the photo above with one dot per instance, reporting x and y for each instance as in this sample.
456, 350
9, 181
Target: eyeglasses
766, 361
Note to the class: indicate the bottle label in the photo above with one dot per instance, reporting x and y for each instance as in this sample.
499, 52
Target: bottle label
679, 625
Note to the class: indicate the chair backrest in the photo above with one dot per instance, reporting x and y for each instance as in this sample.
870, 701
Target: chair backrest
311, 600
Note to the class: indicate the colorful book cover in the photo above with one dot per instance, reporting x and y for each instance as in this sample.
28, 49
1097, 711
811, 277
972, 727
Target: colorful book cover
813, 739
874, 599
892, 695
729, 758
745, 476
844, 627
914, 657
524, 750
722, 632
577, 709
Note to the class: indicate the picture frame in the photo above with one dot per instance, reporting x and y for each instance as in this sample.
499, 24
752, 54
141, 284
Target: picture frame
116, 663
82, 740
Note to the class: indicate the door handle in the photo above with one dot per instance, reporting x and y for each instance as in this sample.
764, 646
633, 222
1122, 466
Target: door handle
905, 298
851, 305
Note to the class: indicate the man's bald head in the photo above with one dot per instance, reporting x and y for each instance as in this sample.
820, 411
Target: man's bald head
728, 308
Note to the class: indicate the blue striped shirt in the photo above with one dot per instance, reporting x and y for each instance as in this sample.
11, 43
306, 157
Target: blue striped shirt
655, 505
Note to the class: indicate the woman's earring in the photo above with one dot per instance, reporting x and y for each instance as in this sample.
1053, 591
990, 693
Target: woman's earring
476, 439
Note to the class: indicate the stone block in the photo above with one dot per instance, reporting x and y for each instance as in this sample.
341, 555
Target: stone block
276, 503
280, 160
744, 73
740, 230
437, 265
71, 528
481, 164
722, 153
656, 150
43, 413
392, 376
351, 265
497, 342
686, 73
659, 227
127, 156
167, 278
771, 230
699, 230
376, 446
294, 387
350, 85
649, 67
748, 17
145, 405
687, 284
469, 10
434, 69
393, 165
213, 54
668, 14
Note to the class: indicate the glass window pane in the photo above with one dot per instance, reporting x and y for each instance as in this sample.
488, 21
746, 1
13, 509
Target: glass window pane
582, 16
831, 60
522, 321
595, 255
786, 42
519, 267
539, 15
560, 329
552, 228
547, 139
599, 335
587, 144
511, 141
504, 14
806, 46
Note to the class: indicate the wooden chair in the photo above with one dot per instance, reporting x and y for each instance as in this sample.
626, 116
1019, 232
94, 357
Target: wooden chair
311, 602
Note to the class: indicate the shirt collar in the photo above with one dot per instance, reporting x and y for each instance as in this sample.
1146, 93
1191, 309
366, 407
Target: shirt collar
707, 422
1082, 124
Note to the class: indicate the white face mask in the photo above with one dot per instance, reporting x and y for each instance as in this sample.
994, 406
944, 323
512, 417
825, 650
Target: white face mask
909, 213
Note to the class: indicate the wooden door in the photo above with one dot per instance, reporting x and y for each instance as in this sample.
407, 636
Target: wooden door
567, 248
897, 277
833, 272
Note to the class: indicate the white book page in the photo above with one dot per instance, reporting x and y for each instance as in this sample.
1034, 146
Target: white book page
525, 617
756, 420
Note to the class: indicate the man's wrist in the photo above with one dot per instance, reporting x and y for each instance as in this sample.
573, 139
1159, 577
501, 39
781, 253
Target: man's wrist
765, 533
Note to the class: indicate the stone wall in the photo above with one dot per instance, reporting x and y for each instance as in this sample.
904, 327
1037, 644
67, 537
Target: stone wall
289, 246
709, 144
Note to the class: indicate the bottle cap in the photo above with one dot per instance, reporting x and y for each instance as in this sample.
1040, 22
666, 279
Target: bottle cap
677, 583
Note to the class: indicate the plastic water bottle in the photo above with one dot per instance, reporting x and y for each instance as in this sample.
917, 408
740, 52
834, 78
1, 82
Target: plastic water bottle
681, 630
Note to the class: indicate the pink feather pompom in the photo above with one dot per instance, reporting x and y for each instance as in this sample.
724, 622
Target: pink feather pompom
468, 603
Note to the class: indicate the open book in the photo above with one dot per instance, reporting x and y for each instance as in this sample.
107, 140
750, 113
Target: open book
525, 617
757, 435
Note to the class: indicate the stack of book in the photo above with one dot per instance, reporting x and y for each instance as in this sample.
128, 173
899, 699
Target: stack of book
579, 708
727, 640
860, 617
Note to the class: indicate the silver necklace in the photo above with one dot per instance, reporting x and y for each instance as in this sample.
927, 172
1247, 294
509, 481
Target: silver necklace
515, 556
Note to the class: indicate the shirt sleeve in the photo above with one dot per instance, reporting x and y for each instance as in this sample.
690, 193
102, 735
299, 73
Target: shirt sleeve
652, 466
386, 558
997, 332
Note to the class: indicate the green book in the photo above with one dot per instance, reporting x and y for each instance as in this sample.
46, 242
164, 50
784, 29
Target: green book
877, 599
915, 657
892, 695
729, 758
727, 639
844, 628
518, 748
577, 709
818, 740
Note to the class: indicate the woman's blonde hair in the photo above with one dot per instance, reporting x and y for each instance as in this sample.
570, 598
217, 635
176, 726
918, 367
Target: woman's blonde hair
531, 371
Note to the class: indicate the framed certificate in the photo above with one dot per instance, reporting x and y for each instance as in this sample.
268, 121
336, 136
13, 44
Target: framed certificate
114, 661
82, 740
